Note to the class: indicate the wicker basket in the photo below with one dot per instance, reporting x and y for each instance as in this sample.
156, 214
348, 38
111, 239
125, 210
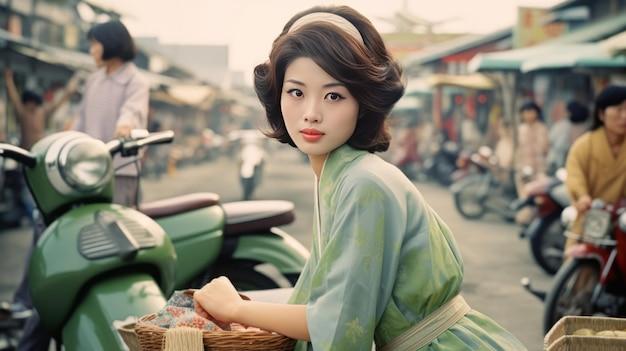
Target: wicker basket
130, 337
152, 338
560, 337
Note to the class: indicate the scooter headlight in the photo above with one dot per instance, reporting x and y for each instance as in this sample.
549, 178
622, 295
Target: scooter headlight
85, 167
78, 165
569, 215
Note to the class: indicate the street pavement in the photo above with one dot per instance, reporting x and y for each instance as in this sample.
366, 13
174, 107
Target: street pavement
495, 258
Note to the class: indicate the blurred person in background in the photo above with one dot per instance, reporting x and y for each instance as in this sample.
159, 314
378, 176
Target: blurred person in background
564, 132
530, 154
33, 115
115, 101
504, 151
532, 142
31, 111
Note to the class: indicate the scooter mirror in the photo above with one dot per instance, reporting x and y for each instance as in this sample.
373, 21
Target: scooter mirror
568, 215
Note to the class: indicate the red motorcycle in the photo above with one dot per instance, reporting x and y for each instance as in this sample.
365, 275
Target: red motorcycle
548, 197
592, 279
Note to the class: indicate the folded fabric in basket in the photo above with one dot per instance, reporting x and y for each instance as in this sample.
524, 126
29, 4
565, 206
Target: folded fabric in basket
179, 312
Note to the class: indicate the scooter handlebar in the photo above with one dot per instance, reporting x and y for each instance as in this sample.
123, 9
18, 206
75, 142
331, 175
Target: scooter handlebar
164, 137
129, 147
18, 154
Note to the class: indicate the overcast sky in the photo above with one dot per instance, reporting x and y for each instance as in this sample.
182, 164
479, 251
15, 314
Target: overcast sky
250, 26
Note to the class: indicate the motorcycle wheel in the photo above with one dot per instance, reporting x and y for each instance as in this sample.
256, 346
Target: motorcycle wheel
548, 243
572, 291
468, 201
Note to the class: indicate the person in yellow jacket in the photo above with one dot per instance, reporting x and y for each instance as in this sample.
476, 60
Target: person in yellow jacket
596, 163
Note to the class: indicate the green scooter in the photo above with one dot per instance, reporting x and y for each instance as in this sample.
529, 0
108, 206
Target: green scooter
99, 265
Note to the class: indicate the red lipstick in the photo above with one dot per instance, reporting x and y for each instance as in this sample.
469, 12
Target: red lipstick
311, 134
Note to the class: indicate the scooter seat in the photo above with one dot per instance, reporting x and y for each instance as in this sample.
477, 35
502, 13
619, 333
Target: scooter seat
246, 216
178, 204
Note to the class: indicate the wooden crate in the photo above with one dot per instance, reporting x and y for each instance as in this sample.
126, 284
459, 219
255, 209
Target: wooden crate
560, 337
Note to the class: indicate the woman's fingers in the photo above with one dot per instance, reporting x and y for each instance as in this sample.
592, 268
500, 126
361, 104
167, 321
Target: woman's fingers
217, 299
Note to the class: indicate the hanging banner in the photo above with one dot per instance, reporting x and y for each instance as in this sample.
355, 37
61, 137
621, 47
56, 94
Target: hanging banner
532, 28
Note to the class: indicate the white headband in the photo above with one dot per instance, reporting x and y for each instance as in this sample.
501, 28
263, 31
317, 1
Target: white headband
331, 18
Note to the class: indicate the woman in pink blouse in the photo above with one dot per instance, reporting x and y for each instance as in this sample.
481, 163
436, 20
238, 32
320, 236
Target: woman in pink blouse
531, 152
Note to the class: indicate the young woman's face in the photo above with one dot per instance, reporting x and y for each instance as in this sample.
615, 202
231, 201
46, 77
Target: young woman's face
319, 112
529, 115
614, 118
96, 50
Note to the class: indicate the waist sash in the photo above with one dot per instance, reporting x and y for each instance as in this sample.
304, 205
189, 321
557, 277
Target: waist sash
430, 327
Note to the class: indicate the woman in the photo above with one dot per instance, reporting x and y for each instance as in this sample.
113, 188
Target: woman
596, 163
530, 154
115, 101
383, 263
532, 145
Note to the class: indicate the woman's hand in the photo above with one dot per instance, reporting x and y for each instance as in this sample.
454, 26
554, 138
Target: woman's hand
123, 131
218, 300
583, 203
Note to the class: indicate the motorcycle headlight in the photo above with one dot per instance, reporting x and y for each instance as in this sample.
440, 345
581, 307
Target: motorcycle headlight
568, 215
79, 165
597, 223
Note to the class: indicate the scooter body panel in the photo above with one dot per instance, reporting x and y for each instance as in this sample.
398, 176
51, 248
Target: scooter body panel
112, 302
197, 237
275, 248
65, 261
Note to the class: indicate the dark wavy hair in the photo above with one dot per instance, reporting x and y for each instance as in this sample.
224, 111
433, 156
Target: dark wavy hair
368, 72
115, 39
611, 95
